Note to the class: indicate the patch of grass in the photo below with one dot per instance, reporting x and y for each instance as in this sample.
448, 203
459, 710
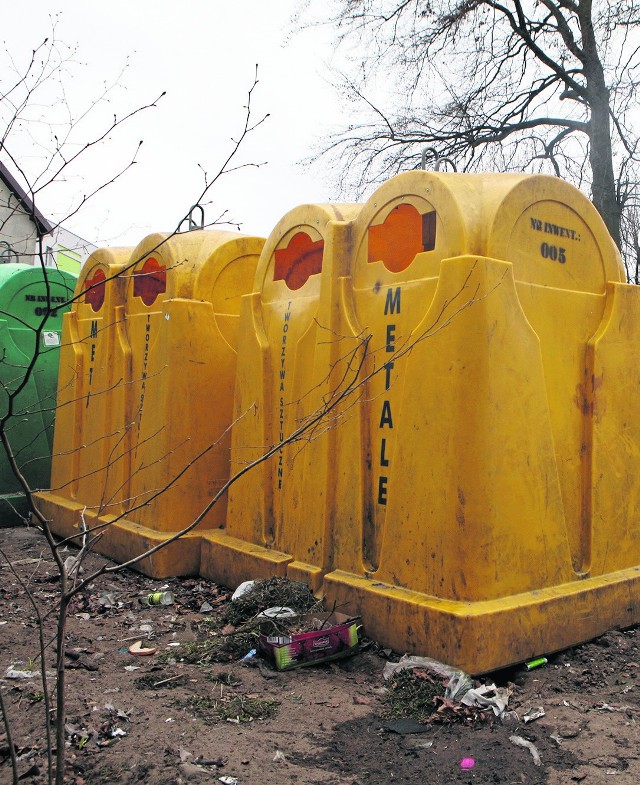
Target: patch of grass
167, 657
35, 697
160, 681
221, 648
221, 677
270, 593
207, 625
235, 708
413, 694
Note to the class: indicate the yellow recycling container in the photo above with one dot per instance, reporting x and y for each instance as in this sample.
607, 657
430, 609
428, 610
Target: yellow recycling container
178, 341
471, 515
433, 421
279, 516
90, 462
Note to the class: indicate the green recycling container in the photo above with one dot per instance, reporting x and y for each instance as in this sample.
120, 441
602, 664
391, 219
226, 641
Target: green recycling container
25, 301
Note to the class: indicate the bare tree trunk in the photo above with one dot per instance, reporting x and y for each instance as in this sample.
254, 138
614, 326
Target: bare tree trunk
12, 749
604, 193
60, 682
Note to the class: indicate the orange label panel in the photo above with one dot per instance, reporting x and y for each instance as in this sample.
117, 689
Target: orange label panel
150, 281
95, 290
301, 259
403, 234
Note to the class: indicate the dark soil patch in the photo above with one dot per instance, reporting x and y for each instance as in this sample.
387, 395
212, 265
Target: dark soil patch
365, 751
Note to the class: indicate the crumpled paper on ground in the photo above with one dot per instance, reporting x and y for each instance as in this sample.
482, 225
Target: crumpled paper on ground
488, 696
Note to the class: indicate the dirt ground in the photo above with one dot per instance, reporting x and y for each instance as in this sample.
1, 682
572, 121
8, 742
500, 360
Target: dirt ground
153, 719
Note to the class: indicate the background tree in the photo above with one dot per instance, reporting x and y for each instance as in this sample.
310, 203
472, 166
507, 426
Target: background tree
631, 243
535, 85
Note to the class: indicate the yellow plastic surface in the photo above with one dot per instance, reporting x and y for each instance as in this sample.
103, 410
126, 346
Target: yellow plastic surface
286, 346
467, 500
454, 365
89, 462
474, 480
176, 337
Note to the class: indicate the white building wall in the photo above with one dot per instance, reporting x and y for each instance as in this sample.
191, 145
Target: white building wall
16, 229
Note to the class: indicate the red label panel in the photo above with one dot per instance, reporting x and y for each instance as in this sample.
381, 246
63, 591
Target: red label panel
301, 259
150, 281
95, 290
403, 234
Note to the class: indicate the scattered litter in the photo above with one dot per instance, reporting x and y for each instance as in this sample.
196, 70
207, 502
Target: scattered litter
83, 616
139, 650
108, 600
173, 644
169, 719
520, 742
160, 598
244, 587
459, 682
537, 663
118, 712
118, 732
72, 566
329, 638
279, 757
206, 607
467, 763
602, 706
146, 628
249, 655
459, 686
488, 696
131, 668
557, 738
533, 714
278, 612
228, 780
571, 705
11, 673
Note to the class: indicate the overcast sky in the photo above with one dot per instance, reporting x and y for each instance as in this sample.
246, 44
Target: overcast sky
203, 53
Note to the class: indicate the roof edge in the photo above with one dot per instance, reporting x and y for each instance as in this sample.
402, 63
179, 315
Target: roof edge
42, 224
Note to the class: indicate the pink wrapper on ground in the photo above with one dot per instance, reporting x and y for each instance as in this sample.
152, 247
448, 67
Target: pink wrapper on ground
338, 638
